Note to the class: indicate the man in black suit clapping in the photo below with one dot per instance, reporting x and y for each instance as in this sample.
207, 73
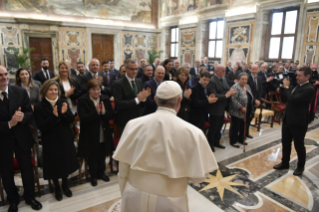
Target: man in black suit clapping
296, 119
129, 95
44, 74
16, 138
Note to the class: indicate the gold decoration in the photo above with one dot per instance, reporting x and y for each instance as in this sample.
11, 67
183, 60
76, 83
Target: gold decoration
104, 13
221, 183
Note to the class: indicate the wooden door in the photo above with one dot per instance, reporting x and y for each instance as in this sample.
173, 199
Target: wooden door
103, 48
42, 49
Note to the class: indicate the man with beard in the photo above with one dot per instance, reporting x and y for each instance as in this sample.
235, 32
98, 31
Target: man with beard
44, 74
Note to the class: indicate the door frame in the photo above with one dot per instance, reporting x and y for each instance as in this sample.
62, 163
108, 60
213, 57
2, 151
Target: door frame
117, 43
26, 34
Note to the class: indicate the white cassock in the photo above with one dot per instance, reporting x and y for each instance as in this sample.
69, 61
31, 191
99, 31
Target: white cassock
158, 154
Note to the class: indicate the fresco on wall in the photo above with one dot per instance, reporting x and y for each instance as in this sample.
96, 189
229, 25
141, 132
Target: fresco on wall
313, 29
310, 54
10, 60
188, 56
10, 36
137, 10
239, 34
74, 57
238, 54
188, 39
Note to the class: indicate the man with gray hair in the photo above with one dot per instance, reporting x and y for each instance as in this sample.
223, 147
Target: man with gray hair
154, 168
176, 64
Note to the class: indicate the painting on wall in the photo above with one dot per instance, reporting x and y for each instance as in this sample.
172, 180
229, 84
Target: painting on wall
74, 55
9, 59
10, 36
137, 10
310, 54
239, 34
313, 29
72, 38
188, 56
238, 54
140, 54
140, 41
188, 39
128, 39
152, 41
128, 52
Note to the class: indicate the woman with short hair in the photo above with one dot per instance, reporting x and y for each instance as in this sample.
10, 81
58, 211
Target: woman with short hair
55, 120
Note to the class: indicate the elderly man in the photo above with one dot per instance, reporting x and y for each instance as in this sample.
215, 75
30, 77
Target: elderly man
147, 74
44, 74
141, 68
195, 70
16, 138
176, 64
150, 104
209, 68
232, 76
129, 95
228, 68
219, 87
155, 167
155, 64
94, 66
296, 119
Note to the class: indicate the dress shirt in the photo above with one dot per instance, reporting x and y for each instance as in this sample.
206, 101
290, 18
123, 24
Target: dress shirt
196, 69
6, 90
46, 73
130, 82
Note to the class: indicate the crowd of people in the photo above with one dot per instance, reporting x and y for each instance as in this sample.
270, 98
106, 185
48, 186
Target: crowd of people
50, 104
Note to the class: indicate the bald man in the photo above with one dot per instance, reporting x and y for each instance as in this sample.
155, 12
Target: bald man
94, 66
150, 104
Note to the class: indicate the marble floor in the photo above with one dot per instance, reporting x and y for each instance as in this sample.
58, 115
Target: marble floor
245, 181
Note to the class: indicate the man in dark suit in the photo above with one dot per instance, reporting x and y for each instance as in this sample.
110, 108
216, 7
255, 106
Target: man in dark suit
150, 104
141, 68
296, 119
263, 75
113, 70
272, 83
255, 84
219, 87
93, 73
209, 68
228, 68
176, 64
106, 71
129, 95
44, 74
232, 77
195, 70
147, 74
200, 101
81, 71
16, 138
155, 64
245, 69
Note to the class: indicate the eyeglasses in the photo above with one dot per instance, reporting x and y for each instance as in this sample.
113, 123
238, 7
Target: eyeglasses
5, 74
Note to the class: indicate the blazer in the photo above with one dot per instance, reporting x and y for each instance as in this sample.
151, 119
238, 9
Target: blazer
73, 73
185, 108
240, 100
231, 78
145, 79
220, 89
193, 72
124, 98
257, 92
112, 77
90, 126
73, 83
38, 83
200, 104
18, 97
115, 72
209, 68
297, 108
39, 76
264, 83
150, 104
140, 72
88, 76
228, 70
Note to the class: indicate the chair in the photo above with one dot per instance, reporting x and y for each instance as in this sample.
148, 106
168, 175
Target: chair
227, 119
34, 162
262, 112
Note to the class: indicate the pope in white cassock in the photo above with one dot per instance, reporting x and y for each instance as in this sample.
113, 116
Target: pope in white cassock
158, 154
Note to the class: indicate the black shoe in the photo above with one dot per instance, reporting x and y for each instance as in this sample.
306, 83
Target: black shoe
235, 145
299, 171
58, 194
93, 181
35, 205
13, 207
219, 146
67, 191
104, 178
281, 166
249, 136
243, 143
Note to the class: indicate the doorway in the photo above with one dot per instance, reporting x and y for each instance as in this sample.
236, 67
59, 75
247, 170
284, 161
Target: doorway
102, 47
42, 49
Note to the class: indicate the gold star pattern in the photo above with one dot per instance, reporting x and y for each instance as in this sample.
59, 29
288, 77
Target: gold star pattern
103, 13
221, 183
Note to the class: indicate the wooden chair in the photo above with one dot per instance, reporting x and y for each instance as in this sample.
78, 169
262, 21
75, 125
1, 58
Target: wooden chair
17, 170
261, 112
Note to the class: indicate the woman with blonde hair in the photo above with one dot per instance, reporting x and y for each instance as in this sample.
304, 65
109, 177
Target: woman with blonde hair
68, 85
182, 77
55, 120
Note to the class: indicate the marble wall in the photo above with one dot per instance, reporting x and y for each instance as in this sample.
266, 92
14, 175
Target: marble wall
187, 46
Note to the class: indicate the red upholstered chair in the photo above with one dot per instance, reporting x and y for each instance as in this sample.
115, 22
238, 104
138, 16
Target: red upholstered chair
206, 126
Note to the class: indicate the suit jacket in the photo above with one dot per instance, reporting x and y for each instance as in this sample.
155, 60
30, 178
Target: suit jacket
208, 68
75, 95
86, 77
115, 72
297, 108
257, 92
220, 89
140, 72
124, 98
39, 76
144, 79
231, 78
193, 72
200, 104
18, 97
38, 83
264, 83
150, 104
228, 70
73, 73
112, 77
185, 108
192, 81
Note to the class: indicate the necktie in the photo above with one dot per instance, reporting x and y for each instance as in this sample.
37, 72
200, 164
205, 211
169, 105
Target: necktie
5, 99
255, 81
48, 74
108, 78
222, 81
134, 87
205, 90
45, 74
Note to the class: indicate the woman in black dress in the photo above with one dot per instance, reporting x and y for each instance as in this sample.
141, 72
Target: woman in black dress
55, 120
182, 77
96, 140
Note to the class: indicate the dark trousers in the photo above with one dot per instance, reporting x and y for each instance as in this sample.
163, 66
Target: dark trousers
296, 133
96, 162
237, 130
215, 125
7, 172
199, 121
249, 118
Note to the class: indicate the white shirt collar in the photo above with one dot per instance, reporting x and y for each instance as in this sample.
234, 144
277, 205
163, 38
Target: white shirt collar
6, 90
167, 109
94, 74
304, 83
129, 79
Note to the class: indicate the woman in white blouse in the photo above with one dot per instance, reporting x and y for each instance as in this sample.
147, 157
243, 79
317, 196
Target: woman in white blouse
68, 85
